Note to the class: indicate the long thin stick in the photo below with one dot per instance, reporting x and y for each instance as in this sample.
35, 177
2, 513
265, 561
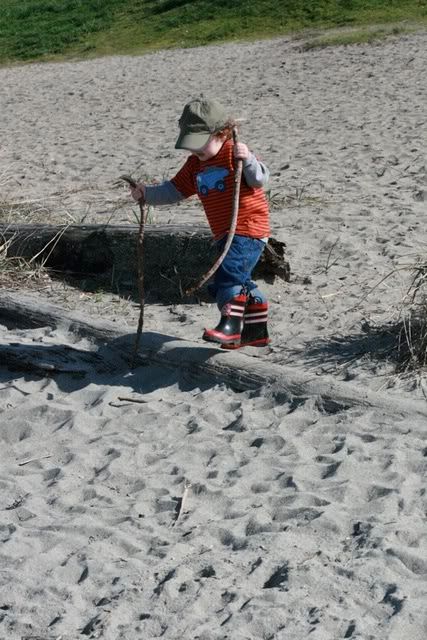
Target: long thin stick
143, 217
182, 505
140, 248
138, 400
233, 224
21, 464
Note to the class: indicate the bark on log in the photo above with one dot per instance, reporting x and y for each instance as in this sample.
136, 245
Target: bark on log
174, 256
45, 359
238, 370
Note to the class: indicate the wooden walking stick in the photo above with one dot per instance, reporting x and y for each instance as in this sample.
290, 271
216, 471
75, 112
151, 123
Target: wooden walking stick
233, 224
140, 249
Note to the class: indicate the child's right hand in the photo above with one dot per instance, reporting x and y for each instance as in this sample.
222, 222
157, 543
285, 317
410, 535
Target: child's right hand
138, 192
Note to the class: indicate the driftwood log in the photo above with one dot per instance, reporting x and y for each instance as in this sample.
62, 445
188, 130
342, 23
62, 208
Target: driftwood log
199, 361
174, 256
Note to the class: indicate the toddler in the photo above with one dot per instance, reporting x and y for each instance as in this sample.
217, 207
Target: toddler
206, 131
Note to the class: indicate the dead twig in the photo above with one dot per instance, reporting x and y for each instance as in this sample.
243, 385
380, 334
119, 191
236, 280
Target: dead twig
183, 501
330, 264
24, 462
383, 279
143, 217
138, 400
54, 241
233, 224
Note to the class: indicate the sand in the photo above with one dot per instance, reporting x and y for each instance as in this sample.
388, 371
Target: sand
299, 519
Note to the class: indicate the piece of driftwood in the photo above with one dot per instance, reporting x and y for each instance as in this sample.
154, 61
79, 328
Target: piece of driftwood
143, 212
30, 460
205, 362
49, 359
174, 255
182, 503
234, 214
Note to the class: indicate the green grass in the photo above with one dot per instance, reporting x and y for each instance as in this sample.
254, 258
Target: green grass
48, 29
356, 36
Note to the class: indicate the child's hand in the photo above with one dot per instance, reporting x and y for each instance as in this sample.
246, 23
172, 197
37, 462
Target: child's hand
138, 192
241, 151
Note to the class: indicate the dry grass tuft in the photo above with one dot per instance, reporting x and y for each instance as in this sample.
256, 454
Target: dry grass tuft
406, 337
18, 272
31, 212
411, 329
395, 350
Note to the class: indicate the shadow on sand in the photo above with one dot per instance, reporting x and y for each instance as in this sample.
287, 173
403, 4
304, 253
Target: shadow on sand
108, 364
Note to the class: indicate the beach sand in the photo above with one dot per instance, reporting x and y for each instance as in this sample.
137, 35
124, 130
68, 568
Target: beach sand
203, 512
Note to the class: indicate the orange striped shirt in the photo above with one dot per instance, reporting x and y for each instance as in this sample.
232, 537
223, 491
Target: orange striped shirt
213, 181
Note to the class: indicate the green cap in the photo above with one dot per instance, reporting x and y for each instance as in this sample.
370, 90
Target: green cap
201, 117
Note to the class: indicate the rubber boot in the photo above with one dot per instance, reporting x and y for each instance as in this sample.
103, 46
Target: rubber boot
255, 332
229, 329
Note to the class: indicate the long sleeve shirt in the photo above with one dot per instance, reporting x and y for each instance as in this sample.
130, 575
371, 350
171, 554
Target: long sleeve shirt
213, 181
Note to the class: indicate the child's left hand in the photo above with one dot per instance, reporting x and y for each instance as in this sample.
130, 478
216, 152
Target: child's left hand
241, 151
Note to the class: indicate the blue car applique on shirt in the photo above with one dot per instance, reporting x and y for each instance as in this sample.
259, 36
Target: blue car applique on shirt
211, 178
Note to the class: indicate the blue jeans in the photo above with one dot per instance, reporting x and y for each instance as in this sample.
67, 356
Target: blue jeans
234, 274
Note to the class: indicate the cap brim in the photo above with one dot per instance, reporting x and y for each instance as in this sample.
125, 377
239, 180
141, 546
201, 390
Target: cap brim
192, 141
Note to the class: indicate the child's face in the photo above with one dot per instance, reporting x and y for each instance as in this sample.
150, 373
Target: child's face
210, 149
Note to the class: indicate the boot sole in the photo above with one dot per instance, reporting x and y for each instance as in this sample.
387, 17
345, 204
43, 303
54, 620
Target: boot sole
262, 342
233, 340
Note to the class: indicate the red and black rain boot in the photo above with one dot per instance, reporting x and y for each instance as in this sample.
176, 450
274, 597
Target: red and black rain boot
229, 329
255, 332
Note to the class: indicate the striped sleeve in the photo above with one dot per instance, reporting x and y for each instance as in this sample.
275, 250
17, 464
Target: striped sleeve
184, 180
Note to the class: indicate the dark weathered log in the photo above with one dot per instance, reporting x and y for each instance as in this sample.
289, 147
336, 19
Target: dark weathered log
45, 359
174, 256
201, 362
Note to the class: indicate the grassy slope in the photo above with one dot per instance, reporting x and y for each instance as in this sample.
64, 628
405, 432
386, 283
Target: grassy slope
34, 29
